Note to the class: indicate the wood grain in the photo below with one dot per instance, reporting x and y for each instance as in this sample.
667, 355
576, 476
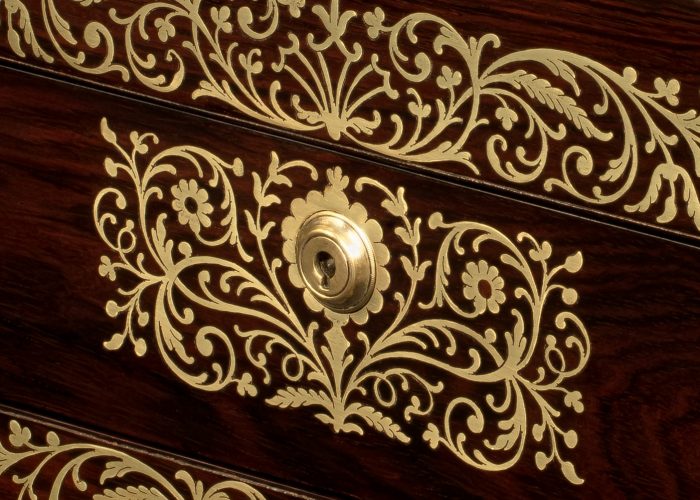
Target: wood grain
658, 39
638, 297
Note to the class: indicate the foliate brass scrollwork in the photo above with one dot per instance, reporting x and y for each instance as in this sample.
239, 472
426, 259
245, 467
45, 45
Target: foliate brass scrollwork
55, 464
544, 88
477, 324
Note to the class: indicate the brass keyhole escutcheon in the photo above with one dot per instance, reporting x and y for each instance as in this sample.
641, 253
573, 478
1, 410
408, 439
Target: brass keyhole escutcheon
336, 261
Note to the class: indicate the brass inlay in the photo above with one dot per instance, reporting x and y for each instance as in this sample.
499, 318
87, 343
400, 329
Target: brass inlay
351, 97
485, 323
54, 465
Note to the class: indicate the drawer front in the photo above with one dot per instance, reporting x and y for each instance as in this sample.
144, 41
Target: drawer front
505, 93
150, 288
43, 456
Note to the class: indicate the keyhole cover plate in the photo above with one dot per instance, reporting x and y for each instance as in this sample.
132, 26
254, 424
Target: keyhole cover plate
336, 261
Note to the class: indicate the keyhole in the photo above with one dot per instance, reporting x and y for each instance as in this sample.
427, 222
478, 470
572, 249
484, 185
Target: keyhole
325, 265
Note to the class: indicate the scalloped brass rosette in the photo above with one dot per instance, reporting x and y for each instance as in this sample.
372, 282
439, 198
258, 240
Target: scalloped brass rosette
327, 223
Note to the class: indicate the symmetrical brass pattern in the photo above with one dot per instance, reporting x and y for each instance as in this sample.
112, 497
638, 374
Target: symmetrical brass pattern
348, 98
55, 465
485, 323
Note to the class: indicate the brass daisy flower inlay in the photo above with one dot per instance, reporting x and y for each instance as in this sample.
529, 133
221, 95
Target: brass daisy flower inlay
190, 203
483, 285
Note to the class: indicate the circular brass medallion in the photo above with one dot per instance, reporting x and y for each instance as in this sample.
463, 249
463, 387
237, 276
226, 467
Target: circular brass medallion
336, 261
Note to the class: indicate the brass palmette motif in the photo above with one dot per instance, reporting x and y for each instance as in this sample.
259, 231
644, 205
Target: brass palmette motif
54, 469
479, 91
484, 322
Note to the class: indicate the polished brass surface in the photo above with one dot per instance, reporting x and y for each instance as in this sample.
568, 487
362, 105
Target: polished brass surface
336, 261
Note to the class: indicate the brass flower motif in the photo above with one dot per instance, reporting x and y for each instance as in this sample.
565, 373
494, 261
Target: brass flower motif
334, 199
483, 285
190, 203
166, 30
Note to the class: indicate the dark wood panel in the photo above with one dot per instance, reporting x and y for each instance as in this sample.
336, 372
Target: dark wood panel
636, 295
44, 459
628, 142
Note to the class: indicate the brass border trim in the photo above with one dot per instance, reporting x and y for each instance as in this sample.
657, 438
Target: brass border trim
538, 87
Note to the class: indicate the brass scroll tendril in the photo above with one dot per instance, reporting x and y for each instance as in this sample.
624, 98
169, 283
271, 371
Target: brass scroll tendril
484, 326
